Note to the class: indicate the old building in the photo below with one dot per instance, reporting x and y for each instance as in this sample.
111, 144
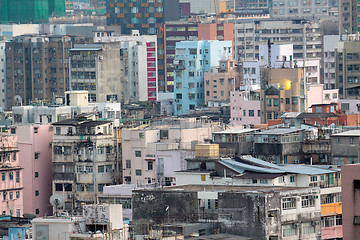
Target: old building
283, 90
11, 186
220, 81
279, 145
97, 68
348, 17
256, 212
85, 159
344, 147
235, 141
144, 148
37, 68
139, 59
245, 108
347, 74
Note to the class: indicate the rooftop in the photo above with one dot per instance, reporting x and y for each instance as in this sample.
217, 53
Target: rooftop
278, 131
353, 133
236, 131
80, 123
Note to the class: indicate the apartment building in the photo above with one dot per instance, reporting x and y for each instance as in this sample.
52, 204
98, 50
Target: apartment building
348, 16
12, 189
97, 69
245, 108
302, 9
220, 81
34, 144
344, 147
144, 148
317, 95
329, 60
187, 31
149, 18
2, 75
347, 72
192, 60
306, 37
284, 91
139, 58
85, 159
37, 68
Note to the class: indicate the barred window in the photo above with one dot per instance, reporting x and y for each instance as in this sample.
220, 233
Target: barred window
307, 201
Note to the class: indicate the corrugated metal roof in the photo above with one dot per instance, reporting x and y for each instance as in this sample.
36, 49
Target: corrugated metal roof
307, 170
290, 114
242, 167
86, 49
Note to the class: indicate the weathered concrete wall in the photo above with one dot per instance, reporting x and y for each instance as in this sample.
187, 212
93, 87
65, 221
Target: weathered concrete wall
243, 148
242, 214
163, 207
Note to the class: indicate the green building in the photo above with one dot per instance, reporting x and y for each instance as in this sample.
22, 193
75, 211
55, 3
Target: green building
30, 11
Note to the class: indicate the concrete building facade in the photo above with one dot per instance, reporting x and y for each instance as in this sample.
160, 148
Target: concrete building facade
245, 108
139, 57
192, 60
329, 60
85, 159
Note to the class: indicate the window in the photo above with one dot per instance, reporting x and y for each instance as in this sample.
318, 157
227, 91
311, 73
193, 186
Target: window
138, 172
36, 156
109, 168
288, 203
17, 212
128, 164
289, 230
10, 195
17, 194
11, 175
164, 134
36, 129
137, 153
17, 176
141, 135
4, 196
101, 169
37, 211
308, 228
307, 201
264, 181
36, 192
150, 165
351, 140
101, 187
59, 187
58, 130
251, 113
292, 179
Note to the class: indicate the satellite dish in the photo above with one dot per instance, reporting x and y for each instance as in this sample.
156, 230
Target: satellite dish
29, 215
57, 201
18, 100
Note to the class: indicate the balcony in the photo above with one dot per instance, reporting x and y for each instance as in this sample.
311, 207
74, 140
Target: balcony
179, 65
63, 176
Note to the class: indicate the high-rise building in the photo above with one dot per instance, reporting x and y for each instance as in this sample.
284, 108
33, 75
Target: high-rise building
349, 16
30, 11
192, 60
37, 68
138, 56
302, 9
184, 31
149, 18
347, 74
97, 68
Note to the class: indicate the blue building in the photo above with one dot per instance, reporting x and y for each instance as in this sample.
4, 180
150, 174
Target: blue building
192, 59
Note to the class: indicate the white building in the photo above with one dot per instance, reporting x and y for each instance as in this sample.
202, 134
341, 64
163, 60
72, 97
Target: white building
143, 148
299, 9
139, 54
329, 60
8, 31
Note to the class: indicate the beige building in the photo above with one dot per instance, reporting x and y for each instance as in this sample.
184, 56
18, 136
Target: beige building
284, 90
347, 74
220, 81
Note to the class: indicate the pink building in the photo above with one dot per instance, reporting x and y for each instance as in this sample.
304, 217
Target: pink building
350, 188
34, 142
317, 95
11, 187
245, 108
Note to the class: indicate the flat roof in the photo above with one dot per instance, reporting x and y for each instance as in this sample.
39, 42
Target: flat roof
236, 130
278, 131
354, 133
224, 188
